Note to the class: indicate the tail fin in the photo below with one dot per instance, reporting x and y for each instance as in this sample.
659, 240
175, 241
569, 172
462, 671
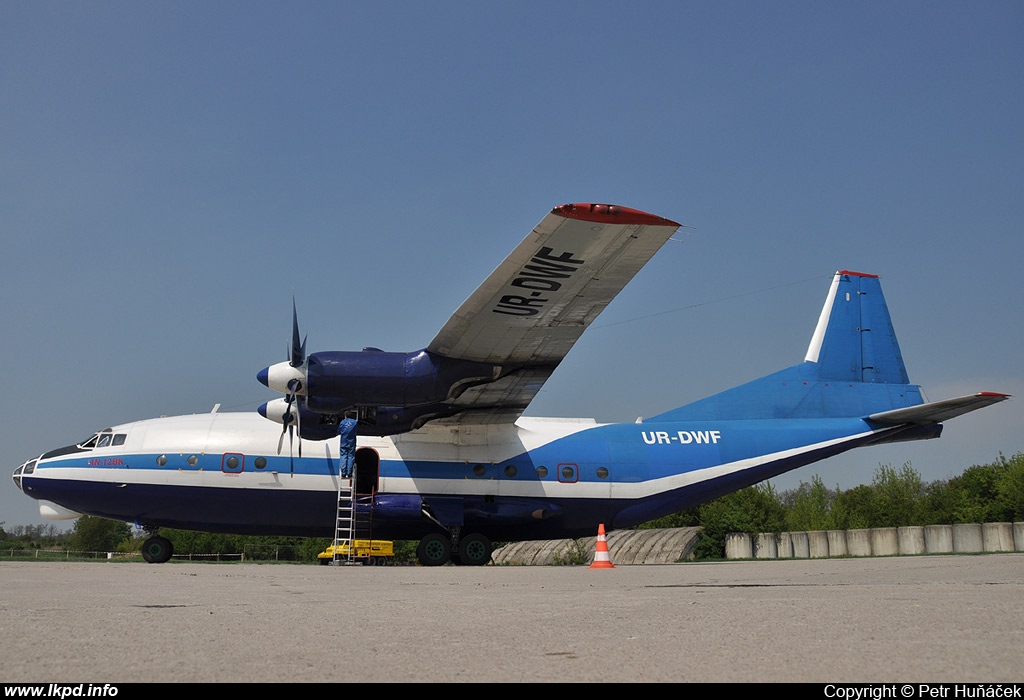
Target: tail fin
854, 340
853, 367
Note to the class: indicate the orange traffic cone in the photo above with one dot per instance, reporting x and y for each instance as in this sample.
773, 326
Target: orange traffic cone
601, 558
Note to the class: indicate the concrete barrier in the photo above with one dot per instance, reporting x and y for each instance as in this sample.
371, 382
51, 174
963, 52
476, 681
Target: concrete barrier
801, 545
884, 542
858, 543
784, 544
766, 546
967, 538
997, 537
837, 543
738, 545
938, 539
911, 540
817, 544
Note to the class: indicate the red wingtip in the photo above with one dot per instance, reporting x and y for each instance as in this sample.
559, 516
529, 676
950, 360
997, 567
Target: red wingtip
611, 214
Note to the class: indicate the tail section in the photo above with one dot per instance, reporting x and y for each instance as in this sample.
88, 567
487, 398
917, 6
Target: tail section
853, 367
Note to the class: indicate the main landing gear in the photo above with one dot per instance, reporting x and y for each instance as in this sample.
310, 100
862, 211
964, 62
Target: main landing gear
437, 549
157, 549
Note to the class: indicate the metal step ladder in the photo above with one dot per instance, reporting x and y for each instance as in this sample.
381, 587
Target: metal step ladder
345, 525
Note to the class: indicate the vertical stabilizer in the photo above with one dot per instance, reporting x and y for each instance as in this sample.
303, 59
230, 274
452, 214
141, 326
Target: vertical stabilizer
854, 340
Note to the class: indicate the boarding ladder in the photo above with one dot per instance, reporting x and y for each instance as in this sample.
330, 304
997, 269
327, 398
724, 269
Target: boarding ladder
345, 525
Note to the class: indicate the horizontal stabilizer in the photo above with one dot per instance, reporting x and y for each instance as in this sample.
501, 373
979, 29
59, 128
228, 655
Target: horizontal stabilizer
929, 413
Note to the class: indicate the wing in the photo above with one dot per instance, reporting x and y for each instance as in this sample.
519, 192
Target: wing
527, 315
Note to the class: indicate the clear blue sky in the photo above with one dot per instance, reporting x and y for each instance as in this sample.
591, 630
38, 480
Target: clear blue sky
170, 173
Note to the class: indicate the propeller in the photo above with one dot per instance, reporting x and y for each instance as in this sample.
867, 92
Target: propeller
289, 421
292, 421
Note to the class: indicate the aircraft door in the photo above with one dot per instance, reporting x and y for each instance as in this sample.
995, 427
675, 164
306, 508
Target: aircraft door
367, 471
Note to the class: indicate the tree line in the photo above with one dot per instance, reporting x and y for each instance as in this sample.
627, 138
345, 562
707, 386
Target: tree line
991, 492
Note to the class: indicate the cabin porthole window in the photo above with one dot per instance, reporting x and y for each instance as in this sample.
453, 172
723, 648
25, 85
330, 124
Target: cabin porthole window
542, 472
260, 462
510, 470
161, 461
232, 462
602, 472
478, 470
192, 460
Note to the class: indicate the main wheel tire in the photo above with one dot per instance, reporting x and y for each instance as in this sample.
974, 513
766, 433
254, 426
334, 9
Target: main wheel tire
434, 550
157, 550
475, 550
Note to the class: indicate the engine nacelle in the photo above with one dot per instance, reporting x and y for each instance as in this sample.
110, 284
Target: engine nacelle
379, 421
389, 392
337, 382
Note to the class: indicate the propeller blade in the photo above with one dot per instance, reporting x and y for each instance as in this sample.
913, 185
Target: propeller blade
298, 425
286, 423
298, 352
291, 455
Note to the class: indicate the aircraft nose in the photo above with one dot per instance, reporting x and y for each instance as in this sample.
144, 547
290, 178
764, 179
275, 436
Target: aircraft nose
26, 468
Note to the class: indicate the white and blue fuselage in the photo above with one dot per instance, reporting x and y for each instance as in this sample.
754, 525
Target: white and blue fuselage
540, 478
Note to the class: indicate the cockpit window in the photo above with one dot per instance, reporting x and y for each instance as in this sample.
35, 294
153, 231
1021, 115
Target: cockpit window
104, 438
26, 468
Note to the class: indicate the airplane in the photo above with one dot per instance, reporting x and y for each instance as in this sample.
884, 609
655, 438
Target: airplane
433, 446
